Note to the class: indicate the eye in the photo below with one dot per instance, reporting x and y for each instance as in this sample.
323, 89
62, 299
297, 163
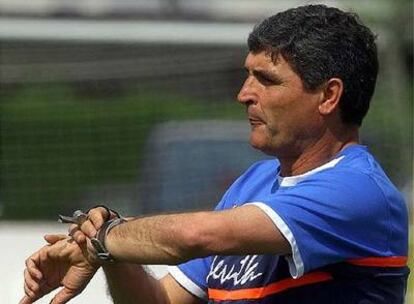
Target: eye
265, 80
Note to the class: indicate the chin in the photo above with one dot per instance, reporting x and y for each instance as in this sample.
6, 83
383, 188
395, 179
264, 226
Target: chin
261, 144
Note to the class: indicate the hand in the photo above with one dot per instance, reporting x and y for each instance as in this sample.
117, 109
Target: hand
89, 228
61, 263
96, 217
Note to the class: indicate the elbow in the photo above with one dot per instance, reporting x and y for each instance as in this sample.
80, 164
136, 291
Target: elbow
197, 239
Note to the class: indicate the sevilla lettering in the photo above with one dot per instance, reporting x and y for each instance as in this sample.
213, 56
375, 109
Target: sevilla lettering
247, 271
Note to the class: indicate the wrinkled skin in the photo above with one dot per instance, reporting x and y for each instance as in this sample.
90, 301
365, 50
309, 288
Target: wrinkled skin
62, 263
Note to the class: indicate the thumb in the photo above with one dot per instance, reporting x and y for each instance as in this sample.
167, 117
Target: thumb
63, 296
53, 238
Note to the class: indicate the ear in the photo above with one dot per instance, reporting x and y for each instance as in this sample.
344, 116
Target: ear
332, 93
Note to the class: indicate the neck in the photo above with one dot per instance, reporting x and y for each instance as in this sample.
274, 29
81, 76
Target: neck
317, 153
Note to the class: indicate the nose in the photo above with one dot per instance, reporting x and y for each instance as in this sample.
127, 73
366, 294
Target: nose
246, 94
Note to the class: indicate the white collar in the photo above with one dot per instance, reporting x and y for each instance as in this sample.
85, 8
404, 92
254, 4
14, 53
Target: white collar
290, 181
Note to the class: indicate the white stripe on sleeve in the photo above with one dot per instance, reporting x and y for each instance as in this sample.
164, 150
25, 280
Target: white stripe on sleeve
186, 282
294, 260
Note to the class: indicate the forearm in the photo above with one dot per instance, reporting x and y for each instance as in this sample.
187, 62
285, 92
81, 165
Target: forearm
131, 284
163, 239
176, 238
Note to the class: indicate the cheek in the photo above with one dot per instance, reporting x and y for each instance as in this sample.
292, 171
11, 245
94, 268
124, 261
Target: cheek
288, 109
275, 106
276, 117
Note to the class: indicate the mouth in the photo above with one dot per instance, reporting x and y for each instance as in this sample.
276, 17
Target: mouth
254, 121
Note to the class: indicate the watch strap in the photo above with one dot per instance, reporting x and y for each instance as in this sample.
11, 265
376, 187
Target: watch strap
98, 241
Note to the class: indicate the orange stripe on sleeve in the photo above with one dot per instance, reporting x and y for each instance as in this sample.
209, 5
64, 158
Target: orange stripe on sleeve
393, 261
261, 292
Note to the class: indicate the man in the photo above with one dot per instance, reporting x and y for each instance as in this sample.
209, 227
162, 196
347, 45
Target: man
321, 224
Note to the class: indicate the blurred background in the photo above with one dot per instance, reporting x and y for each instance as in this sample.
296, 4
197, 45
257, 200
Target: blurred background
132, 103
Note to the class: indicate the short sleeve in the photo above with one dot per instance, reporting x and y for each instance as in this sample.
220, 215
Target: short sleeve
329, 218
192, 275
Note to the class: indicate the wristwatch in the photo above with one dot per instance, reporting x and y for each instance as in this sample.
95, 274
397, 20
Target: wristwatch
98, 241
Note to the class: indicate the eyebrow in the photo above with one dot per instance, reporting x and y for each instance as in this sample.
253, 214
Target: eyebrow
267, 75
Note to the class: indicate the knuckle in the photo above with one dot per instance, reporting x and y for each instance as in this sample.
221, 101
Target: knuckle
28, 292
30, 262
97, 222
95, 211
43, 256
78, 237
26, 274
84, 226
33, 286
32, 272
101, 213
88, 229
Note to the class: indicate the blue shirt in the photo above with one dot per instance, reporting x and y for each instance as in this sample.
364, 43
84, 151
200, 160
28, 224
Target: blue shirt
347, 226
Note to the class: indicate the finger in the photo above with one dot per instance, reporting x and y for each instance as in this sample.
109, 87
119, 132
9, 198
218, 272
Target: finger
98, 216
88, 229
35, 274
63, 296
77, 234
34, 258
54, 238
79, 237
42, 258
26, 300
33, 267
31, 282
30, 293
33, 270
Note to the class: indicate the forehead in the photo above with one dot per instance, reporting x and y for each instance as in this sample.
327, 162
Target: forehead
263, 61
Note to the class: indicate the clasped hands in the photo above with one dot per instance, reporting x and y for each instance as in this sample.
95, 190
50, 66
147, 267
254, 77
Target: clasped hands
67, 261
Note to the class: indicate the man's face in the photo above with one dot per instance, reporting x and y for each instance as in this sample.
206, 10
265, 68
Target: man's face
284, 117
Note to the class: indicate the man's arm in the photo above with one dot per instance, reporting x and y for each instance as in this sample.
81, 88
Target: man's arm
173, 239
176, 238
